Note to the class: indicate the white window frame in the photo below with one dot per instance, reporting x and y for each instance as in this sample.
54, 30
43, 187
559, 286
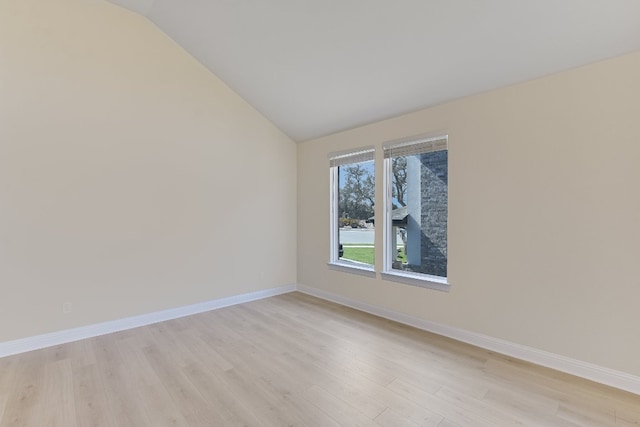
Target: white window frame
336, 160
388, 273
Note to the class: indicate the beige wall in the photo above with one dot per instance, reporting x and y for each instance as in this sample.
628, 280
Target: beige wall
544, 215
131, 179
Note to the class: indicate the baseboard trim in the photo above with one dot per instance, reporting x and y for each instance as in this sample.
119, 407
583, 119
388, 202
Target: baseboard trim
589, 371
23, 345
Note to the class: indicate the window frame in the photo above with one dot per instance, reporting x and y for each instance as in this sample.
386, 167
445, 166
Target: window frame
336, 160
388, 272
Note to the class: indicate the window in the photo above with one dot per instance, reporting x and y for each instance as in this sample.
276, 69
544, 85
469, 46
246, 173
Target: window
352, 204
416, 205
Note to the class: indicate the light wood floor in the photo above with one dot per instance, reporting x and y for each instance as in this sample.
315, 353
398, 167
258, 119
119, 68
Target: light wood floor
293, 360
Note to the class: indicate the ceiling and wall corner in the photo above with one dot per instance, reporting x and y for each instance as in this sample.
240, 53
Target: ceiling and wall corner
139, 6
315, 68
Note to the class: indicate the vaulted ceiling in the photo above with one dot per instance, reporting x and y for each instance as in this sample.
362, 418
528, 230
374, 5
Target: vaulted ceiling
318, 67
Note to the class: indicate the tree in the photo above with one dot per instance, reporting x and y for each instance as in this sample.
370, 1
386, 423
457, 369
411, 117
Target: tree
357, 195
357, 189
399, 170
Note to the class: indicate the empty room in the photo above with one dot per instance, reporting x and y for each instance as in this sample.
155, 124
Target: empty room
319, 213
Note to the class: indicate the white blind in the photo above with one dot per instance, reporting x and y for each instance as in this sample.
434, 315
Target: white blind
417, 146
352, 157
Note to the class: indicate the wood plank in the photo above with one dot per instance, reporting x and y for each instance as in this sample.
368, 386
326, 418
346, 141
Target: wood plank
149, 393
191, 403
25, 391
90, 396
3, 404
339, 410
57, 407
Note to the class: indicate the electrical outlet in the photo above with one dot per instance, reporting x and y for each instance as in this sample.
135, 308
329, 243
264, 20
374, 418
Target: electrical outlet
66, 307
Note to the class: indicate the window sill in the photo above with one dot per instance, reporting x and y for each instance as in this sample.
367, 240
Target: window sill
352, 268
417, 279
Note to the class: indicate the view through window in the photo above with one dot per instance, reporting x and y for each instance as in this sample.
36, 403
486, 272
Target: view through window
353, 201
417, 205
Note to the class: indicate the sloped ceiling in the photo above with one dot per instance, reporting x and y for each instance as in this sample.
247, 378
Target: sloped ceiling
318, 67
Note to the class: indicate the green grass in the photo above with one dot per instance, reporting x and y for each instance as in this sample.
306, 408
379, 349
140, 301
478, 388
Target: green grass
366, 255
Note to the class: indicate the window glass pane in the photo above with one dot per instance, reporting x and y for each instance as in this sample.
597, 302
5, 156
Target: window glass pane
419, 212
356, 199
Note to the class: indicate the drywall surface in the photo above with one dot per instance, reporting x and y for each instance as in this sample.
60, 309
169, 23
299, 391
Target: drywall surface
131, 179
544, 235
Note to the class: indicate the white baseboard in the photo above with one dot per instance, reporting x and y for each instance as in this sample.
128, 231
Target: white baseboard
9, 348
602, 375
